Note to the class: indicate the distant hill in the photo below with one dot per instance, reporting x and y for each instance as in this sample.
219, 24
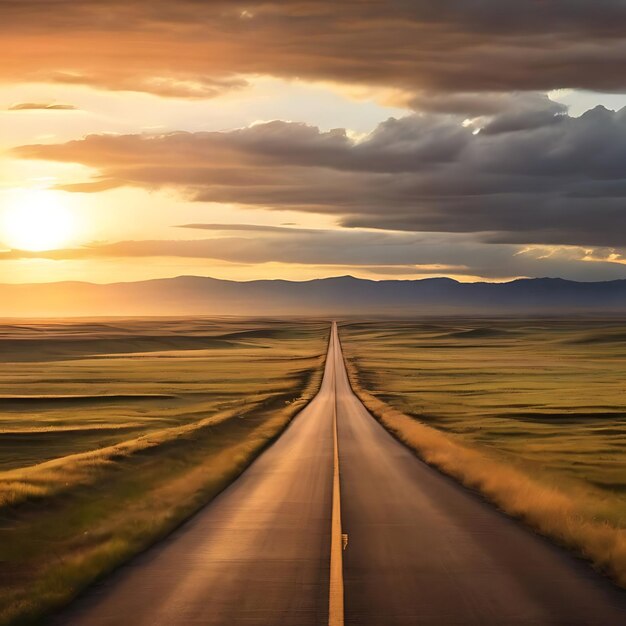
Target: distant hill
345, 295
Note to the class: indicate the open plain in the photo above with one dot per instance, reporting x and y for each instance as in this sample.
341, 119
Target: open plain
119, 433
114, 431
418, 548
531, 413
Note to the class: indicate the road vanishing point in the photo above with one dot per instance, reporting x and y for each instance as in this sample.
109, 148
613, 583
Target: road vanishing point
339, 523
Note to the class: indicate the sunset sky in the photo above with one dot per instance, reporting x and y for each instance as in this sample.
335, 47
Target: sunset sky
477, 139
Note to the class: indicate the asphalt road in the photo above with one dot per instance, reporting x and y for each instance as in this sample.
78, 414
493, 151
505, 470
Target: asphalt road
421, 549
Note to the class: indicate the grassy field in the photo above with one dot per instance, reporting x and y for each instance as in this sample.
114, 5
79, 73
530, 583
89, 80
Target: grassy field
113, 432
531, 412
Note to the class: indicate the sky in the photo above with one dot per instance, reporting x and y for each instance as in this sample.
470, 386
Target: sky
475, 139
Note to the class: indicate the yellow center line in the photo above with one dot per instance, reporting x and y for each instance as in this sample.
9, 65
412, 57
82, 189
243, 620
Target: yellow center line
335, 600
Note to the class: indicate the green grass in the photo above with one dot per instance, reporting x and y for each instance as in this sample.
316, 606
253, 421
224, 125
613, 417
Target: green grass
105, 453
531, 412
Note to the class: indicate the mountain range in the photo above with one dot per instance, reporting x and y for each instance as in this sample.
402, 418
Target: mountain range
344, 295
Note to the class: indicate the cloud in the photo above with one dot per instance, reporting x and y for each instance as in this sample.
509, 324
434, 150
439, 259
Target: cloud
41, 106
261, 228
532, 175
381, 253
413, 45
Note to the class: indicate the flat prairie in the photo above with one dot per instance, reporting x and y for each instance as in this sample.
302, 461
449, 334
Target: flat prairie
114, 431
530, 412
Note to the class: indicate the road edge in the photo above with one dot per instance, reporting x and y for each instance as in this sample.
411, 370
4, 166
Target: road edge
335, 593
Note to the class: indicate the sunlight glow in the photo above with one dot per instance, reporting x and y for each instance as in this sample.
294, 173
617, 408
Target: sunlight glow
36, 220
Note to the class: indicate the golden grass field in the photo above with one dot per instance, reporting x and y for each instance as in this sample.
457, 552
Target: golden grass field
113, 432
531, 413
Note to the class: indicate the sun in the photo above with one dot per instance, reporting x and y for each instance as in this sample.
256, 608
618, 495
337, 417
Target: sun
36, 220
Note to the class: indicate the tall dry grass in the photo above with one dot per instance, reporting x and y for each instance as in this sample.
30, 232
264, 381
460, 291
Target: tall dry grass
572, 516
52, 478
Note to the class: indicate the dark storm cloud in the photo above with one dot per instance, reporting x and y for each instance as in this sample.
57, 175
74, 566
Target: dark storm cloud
476, 105
533, 175
41, 106
198, 49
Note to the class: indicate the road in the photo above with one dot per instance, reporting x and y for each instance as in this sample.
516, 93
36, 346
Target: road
421, 549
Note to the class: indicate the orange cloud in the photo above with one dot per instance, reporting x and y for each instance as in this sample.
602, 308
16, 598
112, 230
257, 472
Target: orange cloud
200, 49
40, 106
